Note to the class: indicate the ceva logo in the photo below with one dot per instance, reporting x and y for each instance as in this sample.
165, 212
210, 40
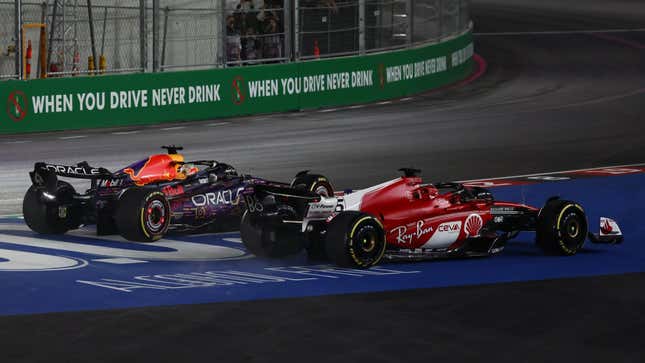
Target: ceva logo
450, 227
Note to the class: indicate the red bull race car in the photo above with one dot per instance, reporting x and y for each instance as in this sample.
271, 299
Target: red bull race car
147, 199
405, 219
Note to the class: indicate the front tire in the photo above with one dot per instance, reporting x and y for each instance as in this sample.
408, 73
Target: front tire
562, 228
48, 217
268, 241
355, 240
142, 215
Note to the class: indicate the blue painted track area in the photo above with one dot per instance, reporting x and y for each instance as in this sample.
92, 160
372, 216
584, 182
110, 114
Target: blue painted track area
80, 271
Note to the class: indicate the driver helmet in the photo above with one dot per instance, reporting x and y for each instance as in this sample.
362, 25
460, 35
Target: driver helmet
188, 169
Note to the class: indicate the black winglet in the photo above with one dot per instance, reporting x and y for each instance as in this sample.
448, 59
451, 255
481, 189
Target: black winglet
172, 149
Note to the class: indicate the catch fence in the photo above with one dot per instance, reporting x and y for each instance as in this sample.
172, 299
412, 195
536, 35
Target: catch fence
63, 38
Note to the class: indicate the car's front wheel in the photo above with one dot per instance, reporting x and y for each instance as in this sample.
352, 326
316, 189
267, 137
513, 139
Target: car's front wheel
562, 228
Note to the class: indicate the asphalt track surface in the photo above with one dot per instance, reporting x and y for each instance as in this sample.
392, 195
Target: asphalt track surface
553, 99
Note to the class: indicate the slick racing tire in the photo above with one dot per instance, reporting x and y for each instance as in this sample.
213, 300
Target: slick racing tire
562, 228
142, 215
314, 183
268, 241
55, 217
355, 240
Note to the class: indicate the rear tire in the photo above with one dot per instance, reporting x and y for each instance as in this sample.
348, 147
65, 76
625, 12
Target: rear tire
355, 240
264, 241
142, 215
562, 228
314, 183
46, 218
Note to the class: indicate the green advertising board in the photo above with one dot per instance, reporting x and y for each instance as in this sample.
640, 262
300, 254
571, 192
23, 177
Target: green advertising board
147, 98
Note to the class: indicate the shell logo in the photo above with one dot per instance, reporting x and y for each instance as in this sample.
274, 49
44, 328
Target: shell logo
473, 225
606, 227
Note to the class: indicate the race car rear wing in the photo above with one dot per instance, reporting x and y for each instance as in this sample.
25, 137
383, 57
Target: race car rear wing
45, 175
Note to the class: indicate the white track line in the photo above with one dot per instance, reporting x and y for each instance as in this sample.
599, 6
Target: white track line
72, 137
385, 103
406, 99
553, 173
11, 200
564, 32
328, 110
125, 132
218, 124
17, 142
173, 128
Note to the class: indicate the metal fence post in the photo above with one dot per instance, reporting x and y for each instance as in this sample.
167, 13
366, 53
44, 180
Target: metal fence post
18, 37
164, 39
155, 35
410, 5
288, 33
90, 17
296, 30
361, 26
440, 20
143, 36
223, 51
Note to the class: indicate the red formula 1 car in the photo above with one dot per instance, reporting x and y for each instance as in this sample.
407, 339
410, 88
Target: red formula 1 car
404, 219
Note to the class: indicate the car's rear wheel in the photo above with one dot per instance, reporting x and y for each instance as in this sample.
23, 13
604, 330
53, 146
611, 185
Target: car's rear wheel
314, 183
55, 216
355, 239
263, 240
142, 215
562, 228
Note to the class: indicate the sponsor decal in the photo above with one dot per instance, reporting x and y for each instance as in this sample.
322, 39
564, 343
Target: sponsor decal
405, 237
222, 197
504, 211
473, 225
498, 219
211, 279
172, 191
73, 170
236, 88
17, 106
447, 233
381, 75
253, 204
203, 180
111, 183
321, 209
201, 213
609, 227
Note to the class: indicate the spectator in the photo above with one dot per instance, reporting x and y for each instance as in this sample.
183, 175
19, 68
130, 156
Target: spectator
250, 45
233, 42
272, 45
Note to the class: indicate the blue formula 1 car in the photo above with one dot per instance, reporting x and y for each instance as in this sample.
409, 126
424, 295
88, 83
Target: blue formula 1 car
151, 197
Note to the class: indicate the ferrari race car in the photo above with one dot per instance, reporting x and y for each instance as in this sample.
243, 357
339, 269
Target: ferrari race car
144, 201
404, 219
